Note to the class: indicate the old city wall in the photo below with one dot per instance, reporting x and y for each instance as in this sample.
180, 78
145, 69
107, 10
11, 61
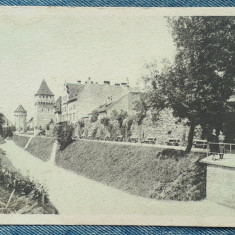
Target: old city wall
166, 127
221, 184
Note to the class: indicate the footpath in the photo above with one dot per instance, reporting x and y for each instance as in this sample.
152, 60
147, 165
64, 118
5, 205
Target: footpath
76, 195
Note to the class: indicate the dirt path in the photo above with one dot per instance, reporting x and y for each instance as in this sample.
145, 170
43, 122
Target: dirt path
74, 194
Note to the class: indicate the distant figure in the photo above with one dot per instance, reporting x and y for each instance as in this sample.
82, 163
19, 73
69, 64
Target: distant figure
214, 146
221, 145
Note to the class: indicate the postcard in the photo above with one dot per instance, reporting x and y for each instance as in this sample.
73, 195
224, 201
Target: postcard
117, 116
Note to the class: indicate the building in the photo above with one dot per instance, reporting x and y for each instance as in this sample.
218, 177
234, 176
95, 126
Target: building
126, 103
57, 107
79, 100
44, 106
20, 118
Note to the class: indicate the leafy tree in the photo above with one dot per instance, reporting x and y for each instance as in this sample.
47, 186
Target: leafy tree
105, 121
2, 121
64, 134
141, 108
119, 116
201, 80
94, 116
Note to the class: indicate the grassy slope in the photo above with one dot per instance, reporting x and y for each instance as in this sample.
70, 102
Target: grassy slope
144, 171
41, 147
27, 204
21, 141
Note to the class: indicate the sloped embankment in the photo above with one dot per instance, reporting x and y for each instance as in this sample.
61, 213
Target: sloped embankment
41, 147
20, 195
144, 171
21, 141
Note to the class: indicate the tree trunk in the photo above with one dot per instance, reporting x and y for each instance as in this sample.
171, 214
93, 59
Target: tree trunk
139, 133
190, 138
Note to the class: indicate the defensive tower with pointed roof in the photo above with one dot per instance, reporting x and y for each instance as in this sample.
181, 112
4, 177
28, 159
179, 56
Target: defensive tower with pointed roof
44, 106
20, 118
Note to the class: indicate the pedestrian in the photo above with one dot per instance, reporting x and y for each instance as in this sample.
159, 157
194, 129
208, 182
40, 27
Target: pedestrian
214, 144
221, 145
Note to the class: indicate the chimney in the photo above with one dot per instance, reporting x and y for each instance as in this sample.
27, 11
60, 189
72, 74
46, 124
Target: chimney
117, 84
106, 82
79, 82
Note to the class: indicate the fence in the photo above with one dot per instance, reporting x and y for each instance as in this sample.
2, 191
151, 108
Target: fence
220, 148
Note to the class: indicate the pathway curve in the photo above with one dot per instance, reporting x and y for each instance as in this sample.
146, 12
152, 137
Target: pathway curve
74, 194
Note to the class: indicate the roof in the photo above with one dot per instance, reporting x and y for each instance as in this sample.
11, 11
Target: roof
20, 109
44, 89
73, 89
58, 104
105, 107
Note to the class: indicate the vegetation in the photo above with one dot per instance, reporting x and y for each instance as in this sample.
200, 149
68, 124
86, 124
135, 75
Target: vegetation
21, 141
144, 171
203, 69
94, 116
41, 147
7, 132
2, 121
64, 134
19, 194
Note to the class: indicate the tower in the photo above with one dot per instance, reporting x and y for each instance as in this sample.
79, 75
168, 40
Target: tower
20, 118
44, 106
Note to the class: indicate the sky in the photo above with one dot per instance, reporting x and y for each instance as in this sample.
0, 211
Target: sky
73, 44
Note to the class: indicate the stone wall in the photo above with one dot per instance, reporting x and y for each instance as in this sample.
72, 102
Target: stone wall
221, 185
165, 128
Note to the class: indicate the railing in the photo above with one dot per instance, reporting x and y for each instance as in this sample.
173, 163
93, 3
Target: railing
220, 148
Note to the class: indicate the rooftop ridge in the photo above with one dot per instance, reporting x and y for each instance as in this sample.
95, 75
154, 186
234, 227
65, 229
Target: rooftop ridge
20, 109
44, 89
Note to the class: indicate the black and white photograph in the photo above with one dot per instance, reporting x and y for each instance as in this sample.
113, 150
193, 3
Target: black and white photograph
117, 116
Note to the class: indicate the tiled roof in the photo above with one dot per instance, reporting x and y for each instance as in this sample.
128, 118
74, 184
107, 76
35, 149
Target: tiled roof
105, 107
20, 109
73, 90
44, 89
58, 104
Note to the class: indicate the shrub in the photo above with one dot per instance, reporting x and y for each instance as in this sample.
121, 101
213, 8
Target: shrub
7, 132
64, 134
94, 116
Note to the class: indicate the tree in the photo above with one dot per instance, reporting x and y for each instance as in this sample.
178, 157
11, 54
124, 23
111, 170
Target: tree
2, 121
94, 116
119, 117
201, 80
64, 134
141, 108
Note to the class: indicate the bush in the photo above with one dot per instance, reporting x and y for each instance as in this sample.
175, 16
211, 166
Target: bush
94, 116
64, 134
7, 132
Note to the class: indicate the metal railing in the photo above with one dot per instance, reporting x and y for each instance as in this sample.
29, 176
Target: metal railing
220, 148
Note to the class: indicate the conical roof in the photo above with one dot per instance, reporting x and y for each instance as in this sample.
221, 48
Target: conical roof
44, 89
20, 109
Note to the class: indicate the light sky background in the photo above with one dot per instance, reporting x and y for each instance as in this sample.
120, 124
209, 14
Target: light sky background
70, 44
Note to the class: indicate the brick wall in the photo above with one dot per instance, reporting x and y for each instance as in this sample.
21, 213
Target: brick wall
221, 185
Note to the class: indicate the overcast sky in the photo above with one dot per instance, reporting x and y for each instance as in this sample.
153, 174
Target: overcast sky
73, 44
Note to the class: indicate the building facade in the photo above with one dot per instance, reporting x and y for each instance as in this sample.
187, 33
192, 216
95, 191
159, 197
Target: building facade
20, 119
79, 100
44, 106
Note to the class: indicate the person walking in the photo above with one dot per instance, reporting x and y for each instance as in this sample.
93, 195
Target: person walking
214, 146
221, 145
